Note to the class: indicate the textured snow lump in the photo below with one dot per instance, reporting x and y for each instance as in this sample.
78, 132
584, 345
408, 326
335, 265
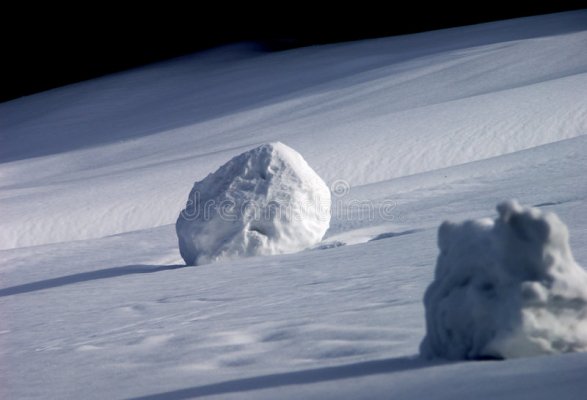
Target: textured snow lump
265, 201
505, 288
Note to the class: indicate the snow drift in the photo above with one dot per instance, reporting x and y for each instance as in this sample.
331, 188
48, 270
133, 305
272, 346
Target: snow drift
505, 288
265, 201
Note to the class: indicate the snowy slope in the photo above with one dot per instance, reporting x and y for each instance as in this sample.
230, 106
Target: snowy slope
426, 127
362, 112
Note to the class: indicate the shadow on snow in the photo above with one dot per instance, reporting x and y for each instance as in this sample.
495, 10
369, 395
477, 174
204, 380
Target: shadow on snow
85, 277
308, 376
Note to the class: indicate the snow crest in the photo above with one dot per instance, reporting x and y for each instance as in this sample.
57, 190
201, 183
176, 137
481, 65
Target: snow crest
265, 201
505, 288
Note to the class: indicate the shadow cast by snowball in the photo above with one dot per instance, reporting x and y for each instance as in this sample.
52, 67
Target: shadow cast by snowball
85, 277
308, 376
388, 235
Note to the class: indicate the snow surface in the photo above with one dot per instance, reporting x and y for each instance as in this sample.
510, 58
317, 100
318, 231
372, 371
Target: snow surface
95, 301
265, 201
505, 288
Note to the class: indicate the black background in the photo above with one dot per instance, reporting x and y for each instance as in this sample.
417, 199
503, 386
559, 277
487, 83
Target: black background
49, 46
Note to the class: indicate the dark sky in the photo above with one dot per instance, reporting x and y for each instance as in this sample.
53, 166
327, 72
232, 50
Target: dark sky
51, 47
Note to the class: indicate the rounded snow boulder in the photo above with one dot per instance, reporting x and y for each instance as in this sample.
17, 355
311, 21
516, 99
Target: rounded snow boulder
265, 201
505, 288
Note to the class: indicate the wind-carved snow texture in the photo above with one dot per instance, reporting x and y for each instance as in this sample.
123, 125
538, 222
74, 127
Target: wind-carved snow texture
265, 201
505, 288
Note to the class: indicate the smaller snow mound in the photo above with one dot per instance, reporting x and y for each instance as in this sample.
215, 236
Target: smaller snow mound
265, 201
505, 288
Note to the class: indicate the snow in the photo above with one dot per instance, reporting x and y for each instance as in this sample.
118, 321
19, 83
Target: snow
265, 201
364, 112
94, 299
505, 288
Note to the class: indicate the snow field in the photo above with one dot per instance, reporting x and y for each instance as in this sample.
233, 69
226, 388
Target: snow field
95, 301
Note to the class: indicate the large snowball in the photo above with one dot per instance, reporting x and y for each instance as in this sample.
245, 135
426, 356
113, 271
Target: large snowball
505, 288
265, 201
